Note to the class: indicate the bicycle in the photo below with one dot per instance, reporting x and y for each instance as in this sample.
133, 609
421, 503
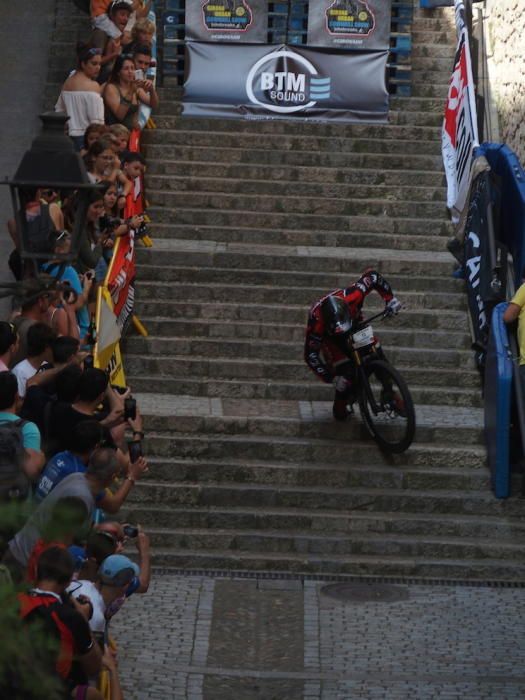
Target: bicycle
385, 403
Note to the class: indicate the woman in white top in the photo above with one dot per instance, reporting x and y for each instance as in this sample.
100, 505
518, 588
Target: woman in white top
81, 97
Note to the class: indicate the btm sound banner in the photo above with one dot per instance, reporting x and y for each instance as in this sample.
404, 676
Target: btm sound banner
349, 24
283, 82
236, 21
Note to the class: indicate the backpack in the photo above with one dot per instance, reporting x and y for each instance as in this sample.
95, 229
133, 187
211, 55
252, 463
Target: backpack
14, 484
45, 607
37, 233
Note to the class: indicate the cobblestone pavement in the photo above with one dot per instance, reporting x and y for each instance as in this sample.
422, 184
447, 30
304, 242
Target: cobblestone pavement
206, 638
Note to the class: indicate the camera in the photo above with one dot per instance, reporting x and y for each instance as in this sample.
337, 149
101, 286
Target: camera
130, 408
130, 530
108, 223
142, 230
135, 451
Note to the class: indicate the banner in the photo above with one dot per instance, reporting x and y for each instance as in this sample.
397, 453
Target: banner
107, 350
349, 24
239, 21
460, 130
283, 82
485, 286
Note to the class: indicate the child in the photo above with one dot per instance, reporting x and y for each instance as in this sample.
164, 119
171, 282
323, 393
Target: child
93, 133
119, 135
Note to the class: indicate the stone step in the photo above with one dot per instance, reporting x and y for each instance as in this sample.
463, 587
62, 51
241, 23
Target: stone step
324, 521
278, 448
425, 393
301, 544
301, 419
441, 64
293, 174
397, 241
429, 568
238, 339
294, 205
341, 499
291, 311
303, 386
434, 51
409, 319
280, 135
410, 225
443, 23
282, 369
422, 88
424, 36
372, 157
303, 258
321, 280
381, 140
305, 474
230, 359
224, 294
289, 188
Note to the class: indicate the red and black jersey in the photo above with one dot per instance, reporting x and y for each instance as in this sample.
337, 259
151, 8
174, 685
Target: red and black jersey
354, 295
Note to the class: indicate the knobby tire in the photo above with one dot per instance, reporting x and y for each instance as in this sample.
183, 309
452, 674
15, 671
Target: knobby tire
378, 425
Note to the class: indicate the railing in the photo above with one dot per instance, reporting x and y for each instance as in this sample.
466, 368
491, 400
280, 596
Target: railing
288, 24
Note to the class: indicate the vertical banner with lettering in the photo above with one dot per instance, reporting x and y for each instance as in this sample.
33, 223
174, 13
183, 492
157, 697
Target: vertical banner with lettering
237, 21
460, 125
350, 24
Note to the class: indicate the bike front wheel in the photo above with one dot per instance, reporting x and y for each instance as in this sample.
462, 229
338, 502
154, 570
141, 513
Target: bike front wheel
386, 407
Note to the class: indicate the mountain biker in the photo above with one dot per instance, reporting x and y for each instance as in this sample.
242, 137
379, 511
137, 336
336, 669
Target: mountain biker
331, 321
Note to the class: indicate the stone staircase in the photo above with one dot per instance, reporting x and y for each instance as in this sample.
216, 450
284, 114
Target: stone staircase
252, 222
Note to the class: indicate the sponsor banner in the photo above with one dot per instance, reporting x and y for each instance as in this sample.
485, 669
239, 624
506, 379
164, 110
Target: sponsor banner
108, 331
237, 21
284, 82
120, 279
460, 131
349, 24
486, 278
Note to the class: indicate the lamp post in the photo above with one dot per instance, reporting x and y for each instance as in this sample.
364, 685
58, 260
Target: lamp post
52, 163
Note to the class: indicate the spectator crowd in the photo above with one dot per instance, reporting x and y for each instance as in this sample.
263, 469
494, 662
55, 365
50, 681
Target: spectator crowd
70, 442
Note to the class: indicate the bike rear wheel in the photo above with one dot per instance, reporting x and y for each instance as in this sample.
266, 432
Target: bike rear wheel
386, 407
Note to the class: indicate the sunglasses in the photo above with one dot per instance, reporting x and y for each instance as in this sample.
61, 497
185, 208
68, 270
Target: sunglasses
94, 52
48, 193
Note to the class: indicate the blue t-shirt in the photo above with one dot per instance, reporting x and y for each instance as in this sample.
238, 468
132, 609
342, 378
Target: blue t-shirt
71, 275
61, 465
30, 432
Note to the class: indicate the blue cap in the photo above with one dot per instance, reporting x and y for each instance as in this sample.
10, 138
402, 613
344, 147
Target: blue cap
117, 570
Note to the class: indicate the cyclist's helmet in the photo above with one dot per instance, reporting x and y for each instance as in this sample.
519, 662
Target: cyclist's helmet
336, 316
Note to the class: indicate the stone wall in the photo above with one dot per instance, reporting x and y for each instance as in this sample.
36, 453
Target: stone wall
506, 29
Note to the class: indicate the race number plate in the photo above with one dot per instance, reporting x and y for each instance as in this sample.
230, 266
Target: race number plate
363, 337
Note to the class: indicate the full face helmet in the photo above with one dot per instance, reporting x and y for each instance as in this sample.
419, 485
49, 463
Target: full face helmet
337, 319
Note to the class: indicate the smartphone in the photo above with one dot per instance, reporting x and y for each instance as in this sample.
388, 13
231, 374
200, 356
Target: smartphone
139, 74
130, 530
130, 408
135, 450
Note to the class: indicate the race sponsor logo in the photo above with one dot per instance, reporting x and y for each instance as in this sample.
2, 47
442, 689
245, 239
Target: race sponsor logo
228, 15
350, 18
286, 82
